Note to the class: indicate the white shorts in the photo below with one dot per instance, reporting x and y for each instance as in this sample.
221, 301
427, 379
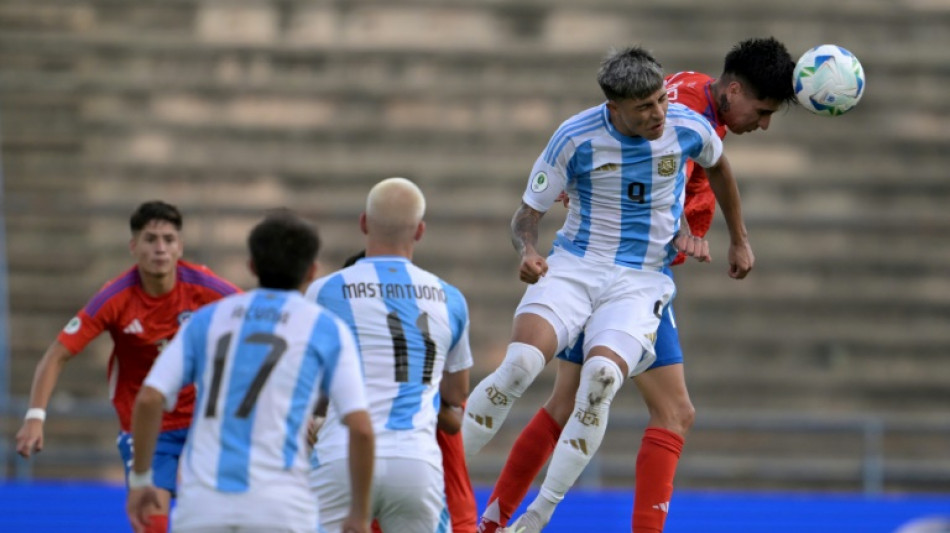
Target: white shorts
616, 306
407, 495
280, 509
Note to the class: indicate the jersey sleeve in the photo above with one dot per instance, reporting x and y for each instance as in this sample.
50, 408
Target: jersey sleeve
346, 389
548, 177
89, 322
459, 355
711, 149
167, 374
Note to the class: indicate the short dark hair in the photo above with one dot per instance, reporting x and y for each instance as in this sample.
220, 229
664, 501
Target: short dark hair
154, 210
765, 66
283, 247
630, 73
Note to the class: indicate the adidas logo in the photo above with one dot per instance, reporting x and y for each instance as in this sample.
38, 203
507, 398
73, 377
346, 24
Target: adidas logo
134, 328
482, 420
665, 507
578, 444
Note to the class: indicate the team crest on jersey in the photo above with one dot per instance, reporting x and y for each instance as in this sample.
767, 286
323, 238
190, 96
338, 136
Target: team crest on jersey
73, 326
183, 316
539, 182
666, 165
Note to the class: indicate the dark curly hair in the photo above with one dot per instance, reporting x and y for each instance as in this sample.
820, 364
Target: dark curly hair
764, 66
283, 247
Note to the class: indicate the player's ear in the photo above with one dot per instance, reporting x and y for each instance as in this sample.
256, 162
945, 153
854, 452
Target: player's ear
363, 226
252, 267
420, 230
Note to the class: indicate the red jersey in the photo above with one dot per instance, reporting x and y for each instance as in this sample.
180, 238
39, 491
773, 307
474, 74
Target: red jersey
693, 90
140, 325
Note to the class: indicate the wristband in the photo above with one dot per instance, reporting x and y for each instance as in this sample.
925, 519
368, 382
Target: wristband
139, 481
35, 413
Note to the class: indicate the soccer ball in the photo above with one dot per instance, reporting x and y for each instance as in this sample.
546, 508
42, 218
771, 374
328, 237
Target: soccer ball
828, 80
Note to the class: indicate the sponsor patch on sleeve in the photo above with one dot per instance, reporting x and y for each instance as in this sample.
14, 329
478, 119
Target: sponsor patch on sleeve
73, 325
539, 183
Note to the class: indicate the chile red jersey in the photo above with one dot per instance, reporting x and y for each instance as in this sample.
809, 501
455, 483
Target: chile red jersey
693, 89
140, 325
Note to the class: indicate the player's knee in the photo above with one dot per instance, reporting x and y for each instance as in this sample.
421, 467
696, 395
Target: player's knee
522, 364
677, 417
601, 378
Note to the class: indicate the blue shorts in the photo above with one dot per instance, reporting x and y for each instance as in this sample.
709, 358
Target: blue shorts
164, 462
668, 349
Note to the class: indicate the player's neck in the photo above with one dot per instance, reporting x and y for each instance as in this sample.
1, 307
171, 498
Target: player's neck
157, 285
716, 89
374, 249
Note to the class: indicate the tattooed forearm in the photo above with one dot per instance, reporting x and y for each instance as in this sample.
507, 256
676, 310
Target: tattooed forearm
524, 228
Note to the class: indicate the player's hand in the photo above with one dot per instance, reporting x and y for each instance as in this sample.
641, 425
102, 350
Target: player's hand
140, 504
354, 525
30, 438
564, 199
533, 267
313, 428
741, 260
692, 246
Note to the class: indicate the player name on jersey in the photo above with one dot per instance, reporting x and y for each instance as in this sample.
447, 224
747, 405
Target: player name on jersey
393, 290
263, 314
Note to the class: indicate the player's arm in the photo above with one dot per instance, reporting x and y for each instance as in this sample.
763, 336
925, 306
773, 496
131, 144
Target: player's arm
525, 227
142, 500
346, 391
724, 186
30, 437
362, 452
452, 391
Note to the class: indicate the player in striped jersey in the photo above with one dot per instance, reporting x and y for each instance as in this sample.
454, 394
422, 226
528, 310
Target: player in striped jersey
259, 362
412, 329
754, 84
622, 164
142, 310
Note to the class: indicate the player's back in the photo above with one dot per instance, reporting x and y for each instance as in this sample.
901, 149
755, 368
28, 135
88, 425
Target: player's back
259, 361
410, 326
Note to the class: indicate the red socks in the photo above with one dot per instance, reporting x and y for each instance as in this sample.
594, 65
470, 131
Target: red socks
530, 452
157, 523
656, 467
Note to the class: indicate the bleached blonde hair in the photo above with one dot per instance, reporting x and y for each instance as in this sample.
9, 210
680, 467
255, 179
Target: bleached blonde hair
394, 205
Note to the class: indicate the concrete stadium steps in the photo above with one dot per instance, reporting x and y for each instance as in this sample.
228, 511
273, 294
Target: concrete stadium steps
228, 109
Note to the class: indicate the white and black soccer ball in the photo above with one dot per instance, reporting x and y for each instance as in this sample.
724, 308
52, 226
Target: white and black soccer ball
828, 80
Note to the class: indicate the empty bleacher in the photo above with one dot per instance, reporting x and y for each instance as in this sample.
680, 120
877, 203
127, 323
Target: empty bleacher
827, 367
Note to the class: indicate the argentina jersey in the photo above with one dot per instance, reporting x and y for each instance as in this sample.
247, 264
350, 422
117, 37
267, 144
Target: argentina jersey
410, 327
259, 361
626, 193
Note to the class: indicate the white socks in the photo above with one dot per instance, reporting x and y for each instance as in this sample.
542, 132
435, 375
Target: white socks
491, 400
581, 437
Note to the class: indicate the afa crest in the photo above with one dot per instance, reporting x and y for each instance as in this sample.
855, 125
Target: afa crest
666, 166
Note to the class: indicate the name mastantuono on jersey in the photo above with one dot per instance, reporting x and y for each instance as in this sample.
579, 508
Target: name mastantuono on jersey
410, 327
259, 361
626, 193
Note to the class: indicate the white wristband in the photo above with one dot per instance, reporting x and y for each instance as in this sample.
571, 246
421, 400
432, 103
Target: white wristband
35, 413
139, 481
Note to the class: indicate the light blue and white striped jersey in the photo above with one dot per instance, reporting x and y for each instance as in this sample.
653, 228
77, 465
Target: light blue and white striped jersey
259, 361
626, 193
410, 326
